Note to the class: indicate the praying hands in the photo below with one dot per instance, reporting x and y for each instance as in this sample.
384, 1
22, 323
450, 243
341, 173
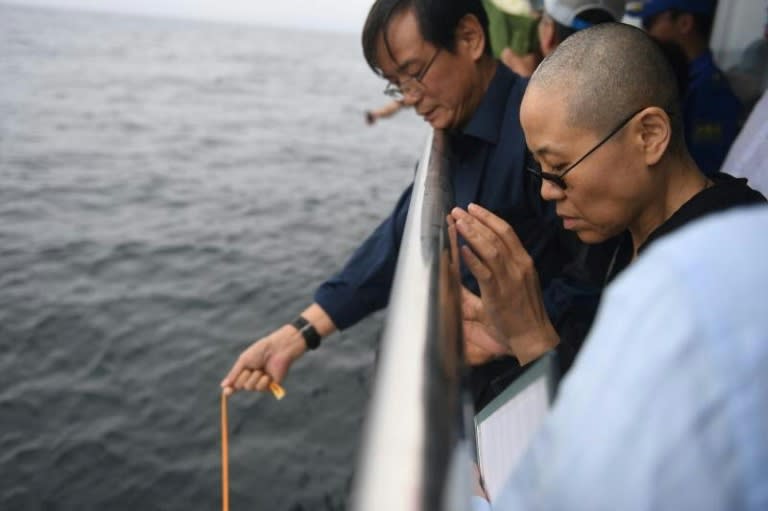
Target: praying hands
509, 316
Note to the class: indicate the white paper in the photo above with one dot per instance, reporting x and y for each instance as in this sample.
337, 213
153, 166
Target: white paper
503, 437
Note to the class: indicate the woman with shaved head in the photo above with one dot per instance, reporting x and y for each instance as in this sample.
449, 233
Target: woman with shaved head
602, 120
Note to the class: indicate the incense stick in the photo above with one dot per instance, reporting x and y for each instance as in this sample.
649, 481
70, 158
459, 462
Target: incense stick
277, 390
279, 393
224, 454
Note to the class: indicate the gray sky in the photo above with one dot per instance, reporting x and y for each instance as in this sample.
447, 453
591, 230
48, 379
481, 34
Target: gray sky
344, 15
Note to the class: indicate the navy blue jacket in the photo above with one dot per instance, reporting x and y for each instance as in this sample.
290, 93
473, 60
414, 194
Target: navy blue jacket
487, 167
712, 114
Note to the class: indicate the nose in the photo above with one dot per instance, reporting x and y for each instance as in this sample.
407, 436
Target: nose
550, 191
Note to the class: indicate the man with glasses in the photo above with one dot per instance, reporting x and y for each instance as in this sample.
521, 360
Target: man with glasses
611, 154
712, 112
436, 58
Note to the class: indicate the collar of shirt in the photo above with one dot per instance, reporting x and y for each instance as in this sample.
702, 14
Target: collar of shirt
485, 124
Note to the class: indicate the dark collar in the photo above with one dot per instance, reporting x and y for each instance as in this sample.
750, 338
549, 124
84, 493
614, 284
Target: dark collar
726, 192
488, 118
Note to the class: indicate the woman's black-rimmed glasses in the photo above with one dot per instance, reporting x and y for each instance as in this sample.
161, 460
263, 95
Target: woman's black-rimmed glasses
557, 179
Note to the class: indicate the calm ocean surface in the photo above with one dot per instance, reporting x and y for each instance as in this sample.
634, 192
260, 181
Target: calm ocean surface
170, 191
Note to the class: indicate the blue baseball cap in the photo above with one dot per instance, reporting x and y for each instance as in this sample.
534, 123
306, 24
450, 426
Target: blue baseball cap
650, 8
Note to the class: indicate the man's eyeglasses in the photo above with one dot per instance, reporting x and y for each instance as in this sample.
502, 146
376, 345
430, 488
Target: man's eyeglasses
557, 179
411, 85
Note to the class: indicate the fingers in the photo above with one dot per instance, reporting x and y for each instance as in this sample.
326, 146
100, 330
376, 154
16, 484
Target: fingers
228, 382
481, 272
473, 228
259, 382
484, 225
494, 245
501, 228
485, 243
248, 370
481, 254
265, 362
250, 379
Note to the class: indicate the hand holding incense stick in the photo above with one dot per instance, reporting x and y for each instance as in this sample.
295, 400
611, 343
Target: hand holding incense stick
274, 387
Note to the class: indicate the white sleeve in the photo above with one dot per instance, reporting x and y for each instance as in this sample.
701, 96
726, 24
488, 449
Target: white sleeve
480, 504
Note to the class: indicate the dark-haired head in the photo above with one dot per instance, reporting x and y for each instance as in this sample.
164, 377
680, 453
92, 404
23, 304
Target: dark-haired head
437, 19
435, 55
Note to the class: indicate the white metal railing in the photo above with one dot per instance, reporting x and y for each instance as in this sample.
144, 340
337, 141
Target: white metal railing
415, 454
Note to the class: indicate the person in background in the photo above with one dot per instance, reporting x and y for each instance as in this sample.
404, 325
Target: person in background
560, 19
512, 26
712, 112
388, 110
436, 58
666, 407
609, 146
749, 76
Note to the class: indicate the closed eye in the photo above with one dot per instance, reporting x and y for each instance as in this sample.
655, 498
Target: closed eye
557, 169
552, 169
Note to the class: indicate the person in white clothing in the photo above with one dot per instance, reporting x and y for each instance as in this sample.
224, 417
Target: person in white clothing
749, 154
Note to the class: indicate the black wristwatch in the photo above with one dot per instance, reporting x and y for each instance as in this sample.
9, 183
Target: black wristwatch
305, 328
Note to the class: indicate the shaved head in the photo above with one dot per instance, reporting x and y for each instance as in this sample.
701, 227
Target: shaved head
605, 73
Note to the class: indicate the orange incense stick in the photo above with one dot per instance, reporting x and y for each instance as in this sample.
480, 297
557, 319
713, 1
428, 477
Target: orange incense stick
277, 390
279, 393
224, 455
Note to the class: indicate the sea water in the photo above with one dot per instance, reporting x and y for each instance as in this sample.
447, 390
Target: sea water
169, 192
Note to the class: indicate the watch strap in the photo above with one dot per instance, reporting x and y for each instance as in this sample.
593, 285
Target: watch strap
307, 330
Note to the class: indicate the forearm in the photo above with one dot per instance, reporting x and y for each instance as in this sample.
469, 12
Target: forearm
364, 284
319, 319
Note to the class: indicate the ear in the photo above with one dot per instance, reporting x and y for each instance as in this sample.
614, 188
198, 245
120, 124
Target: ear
655, 133
470, 37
